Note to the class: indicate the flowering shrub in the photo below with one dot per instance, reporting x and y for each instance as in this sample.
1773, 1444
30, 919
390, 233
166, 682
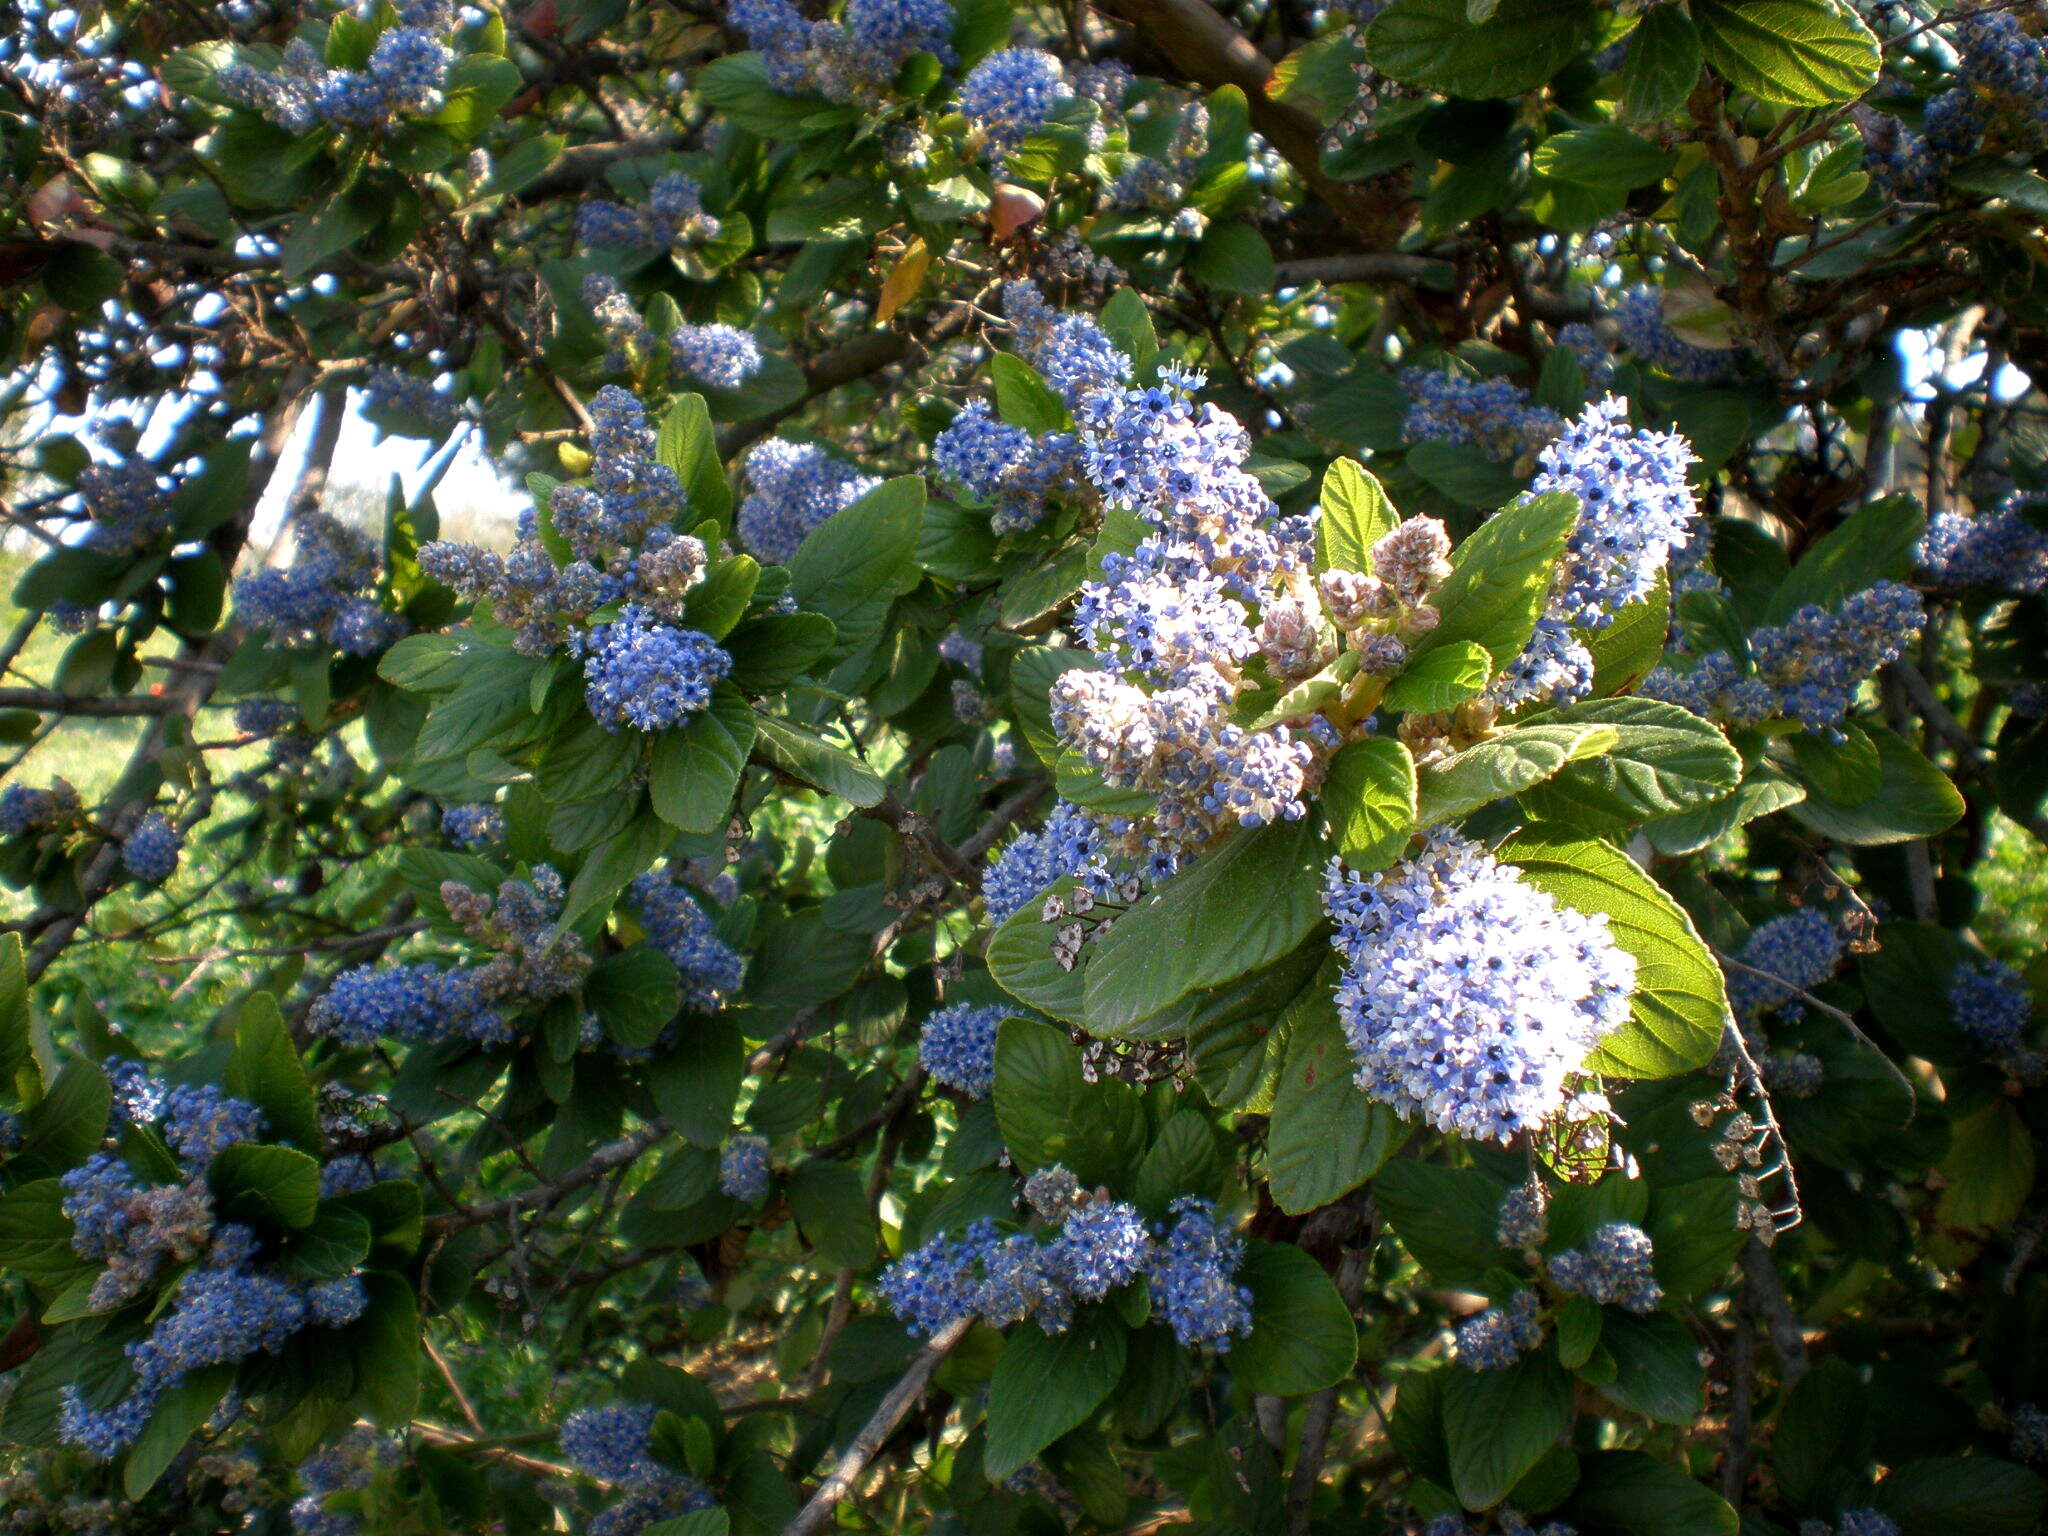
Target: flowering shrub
1273, 769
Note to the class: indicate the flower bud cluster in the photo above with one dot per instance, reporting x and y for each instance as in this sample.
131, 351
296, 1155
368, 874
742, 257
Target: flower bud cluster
407, 394
853, 59
957, 1046
2002, 551
672, 216
1496, 1338
405, 77
1470, 998
1800, 949
791, 489
1381, 614
1807, 669
473, 826
1639, 316
534, 963
1190, 1262
126, 503
24, 808
323, 596
743, 1169
1492, 415
1613, 1268
709, 969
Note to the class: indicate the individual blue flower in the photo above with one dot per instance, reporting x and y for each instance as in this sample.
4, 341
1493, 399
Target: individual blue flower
958, 1046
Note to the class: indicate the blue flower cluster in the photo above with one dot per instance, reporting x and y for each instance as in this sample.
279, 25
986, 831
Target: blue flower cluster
720, 356
1010, 93
1508, 1522
1492, 415
24, 808
710, 970
1866, 1522
673, 215
642, 673
127, 504
1591, 353
1635, 511
1613, 1268
2001, 551
414, 1003
222, 1307
2000, 100
616, 1445
1990, 1004
2029, 1423
151, 851
1801, 949
1470, 998
958, 1046
743, 1169
1496, 1338
473, 826
406, 77
1524, 1219
1807, 669
1162, 184
1005, 466
1069, 843
791, 489
1102, 1245
1639, 316
623, 545
855, 58
321, 597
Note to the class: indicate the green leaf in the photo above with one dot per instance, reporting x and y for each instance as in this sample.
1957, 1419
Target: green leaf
1846, 772
180, 1411
14, 1013
278, 1186
1492, 770
1369, 799
1501, 577
717, 602
1302, 1337
1876, 544
851, 565
688, 444
1688, 832
1914, 799
796, 750
1657, 1367
1628, 1493
1130, 326
1446, 1217
1522, 44
1235, 910
633, 993
336, 1244
384, 1344
611, 867
1664, 760
35, 1235
1185, 1158
267, 1072
1963, 1496
1824, 1424
1356, 516
831, 1207
1604, 156
1797, 53
1441, 678
1325, 1138
1020, 958
772, 651
1049, 1114
1046, 1385
1464, 472
478, 87
1233, 258
696, 1082
1500, 1423
1661, 66
1680, 1006
695, 769
1024, 399
67, 1124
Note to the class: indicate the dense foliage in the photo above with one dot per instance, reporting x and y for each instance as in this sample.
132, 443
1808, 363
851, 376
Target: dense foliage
1237, 767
